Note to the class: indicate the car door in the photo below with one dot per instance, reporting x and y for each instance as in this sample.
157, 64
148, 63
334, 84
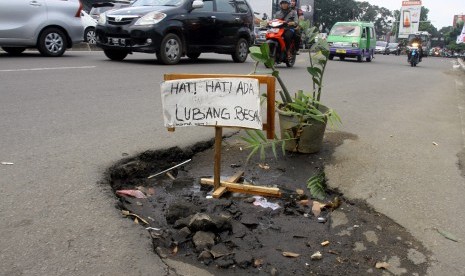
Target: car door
200, 25
19, 20
228, 22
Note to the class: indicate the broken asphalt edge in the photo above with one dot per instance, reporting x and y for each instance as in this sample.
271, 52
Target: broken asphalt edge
462, 63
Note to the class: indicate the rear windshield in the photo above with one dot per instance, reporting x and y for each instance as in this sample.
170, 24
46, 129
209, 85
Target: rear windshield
139, 3
381, 43
345, 30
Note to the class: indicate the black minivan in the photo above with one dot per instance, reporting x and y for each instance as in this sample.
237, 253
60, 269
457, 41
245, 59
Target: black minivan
175, 28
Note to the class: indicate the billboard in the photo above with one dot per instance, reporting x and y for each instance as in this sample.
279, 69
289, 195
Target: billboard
461, 36
409, 18
307, 7
457, 19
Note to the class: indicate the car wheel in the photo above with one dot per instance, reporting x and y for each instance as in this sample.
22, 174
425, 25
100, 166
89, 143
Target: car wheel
331, 57
170, 50
115, 54
241, 51
52, 42
369, 58
342, 58
359, 58
89, 36
193, 56
14, 50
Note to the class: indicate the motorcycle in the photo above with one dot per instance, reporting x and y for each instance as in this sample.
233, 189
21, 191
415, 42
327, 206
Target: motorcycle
414, 57
275, 41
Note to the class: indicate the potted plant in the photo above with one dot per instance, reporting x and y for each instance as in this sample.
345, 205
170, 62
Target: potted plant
303, 118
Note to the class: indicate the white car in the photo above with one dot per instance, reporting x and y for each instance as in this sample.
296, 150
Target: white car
89, 24
51, 26
381, 47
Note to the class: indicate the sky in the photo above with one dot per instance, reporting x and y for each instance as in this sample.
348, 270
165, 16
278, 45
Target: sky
441, 12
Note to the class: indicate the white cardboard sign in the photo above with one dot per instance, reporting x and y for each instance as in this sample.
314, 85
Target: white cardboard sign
233, 102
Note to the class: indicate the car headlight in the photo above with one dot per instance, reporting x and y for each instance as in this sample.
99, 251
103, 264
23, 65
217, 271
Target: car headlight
102, 19
151, 18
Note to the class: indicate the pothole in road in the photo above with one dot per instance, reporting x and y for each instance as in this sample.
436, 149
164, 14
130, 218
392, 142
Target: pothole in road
234, 236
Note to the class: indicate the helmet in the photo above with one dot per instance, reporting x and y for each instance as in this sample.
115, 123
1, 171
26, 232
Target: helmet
284, 1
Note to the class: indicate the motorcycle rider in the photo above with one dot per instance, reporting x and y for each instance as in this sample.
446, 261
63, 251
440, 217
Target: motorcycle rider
290, 16
415, 39
300, 13
298, 33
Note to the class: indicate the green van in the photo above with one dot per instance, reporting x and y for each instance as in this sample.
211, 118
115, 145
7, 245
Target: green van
353, 40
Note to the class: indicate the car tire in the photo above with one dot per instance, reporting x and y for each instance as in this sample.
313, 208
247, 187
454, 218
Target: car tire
14, 51
342, 58
115, 54
359, 58
193, 56
241, 51
89, 35
52, 42
170, 49
369, 58
331, 57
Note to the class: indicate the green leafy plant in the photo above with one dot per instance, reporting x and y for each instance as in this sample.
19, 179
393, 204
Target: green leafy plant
317, 185
305, 106
258, 143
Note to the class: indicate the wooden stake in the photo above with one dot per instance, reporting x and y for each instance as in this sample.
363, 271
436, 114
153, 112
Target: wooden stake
221, 190
170, 176
235, 177
217, 168
244, 188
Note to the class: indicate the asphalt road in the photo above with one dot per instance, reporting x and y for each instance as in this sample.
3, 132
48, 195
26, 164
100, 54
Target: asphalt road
63, 121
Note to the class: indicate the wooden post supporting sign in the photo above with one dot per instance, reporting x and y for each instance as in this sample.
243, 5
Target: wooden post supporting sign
221, 101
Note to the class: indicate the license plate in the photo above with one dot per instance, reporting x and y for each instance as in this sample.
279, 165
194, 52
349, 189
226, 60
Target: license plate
340, 51
117, 41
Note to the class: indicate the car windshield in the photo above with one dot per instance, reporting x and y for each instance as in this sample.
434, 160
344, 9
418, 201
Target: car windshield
393, 45
345, 30
381, 43
139, 3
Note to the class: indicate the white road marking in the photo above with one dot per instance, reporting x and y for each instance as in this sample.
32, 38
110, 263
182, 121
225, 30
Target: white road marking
50, 68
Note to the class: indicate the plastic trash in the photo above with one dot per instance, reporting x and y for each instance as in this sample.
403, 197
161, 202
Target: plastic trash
133, 193
261, 201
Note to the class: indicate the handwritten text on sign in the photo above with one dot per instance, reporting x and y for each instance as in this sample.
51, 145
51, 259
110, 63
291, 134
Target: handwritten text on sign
212, 102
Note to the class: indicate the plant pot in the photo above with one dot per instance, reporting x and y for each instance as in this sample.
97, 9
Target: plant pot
310, 139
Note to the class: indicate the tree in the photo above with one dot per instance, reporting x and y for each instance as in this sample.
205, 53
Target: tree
425, 24
378, 15
328, 12
451, 38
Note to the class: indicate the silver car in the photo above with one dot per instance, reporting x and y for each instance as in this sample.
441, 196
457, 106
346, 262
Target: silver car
51, 26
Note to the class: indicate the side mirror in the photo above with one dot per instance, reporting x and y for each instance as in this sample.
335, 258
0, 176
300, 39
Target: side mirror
197, 4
